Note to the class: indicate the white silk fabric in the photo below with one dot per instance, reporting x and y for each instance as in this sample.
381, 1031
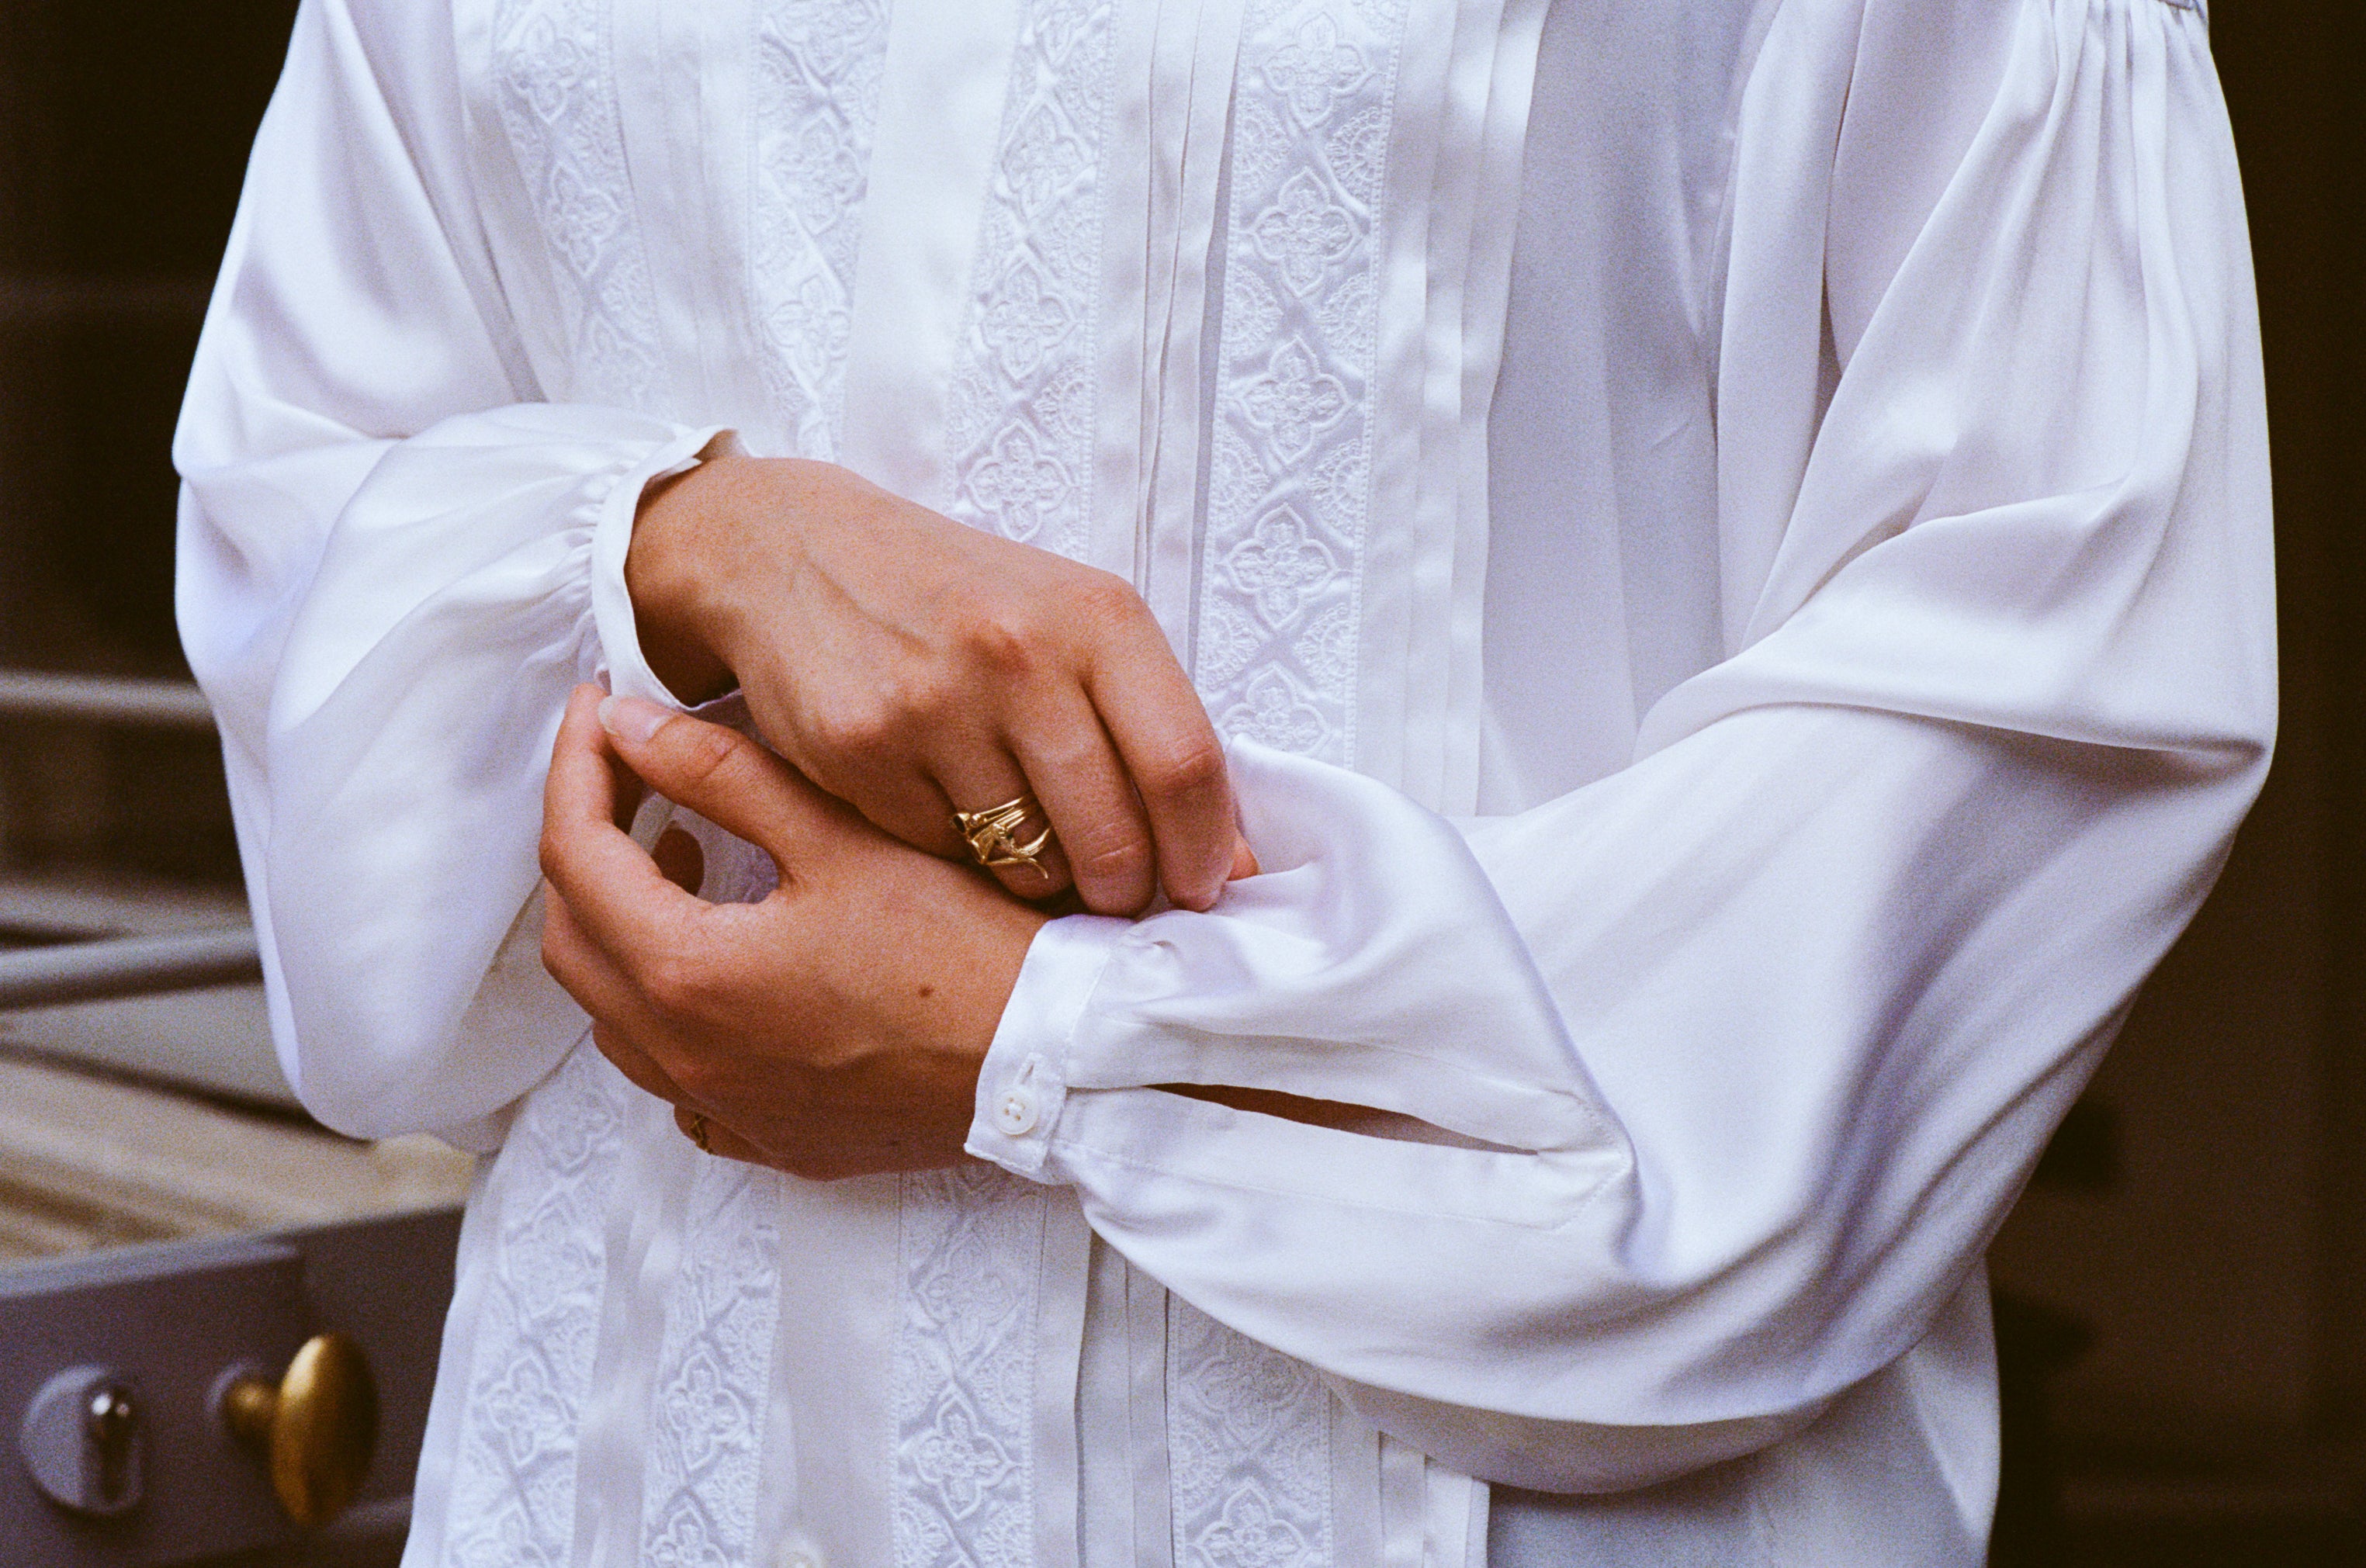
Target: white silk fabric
1729, 541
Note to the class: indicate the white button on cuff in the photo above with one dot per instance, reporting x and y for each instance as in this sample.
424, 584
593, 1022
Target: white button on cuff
1016, 1112
798, 1553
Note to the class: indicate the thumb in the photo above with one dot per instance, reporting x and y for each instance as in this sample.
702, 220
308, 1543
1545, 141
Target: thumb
722, 775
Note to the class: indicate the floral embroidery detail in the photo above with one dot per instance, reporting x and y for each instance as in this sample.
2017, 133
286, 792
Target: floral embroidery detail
1019, 486
1295, 399
1019, 413
1347, 317
817, 65
1303, 233
1024, 325
1356, 152
813, 328
1228, 640
1261, 144
703, 1452
1279, 565
1044, 158
1339, 487
1288, 473
821, 175
1252, 309
1066, 405
555, 85
963, 1378
1317, 69
512, 1499
1250, 1535
1327, 651
1249, 1440
961, 1461
1237, 480
1272, 715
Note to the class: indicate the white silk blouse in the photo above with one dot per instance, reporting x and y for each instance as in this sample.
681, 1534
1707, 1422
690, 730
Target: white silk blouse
1728, 541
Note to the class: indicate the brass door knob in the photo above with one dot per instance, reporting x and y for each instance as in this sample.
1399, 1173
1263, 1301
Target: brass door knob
316, 1430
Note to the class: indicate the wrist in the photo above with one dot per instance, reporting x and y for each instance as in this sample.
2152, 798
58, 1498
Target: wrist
677, 579
1022, 1082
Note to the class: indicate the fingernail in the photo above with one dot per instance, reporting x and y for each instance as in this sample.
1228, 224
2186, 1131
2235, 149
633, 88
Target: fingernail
631, 719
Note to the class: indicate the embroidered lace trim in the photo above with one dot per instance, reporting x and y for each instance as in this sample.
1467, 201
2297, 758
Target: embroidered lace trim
513, 1497
1289, 470
555, 82
701, 1460
1021, 410
1249, 1440
1279, 610
818, 70
963, 1390
714, 1373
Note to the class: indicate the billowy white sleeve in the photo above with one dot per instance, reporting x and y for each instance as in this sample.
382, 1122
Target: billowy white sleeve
1746, 1048
387, 585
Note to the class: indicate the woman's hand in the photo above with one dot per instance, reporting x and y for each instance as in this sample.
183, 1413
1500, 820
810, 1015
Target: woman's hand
834, 1029
911, 666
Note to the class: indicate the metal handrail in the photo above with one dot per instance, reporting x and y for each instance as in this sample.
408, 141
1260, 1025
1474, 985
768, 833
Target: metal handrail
105, 968
104, 699
112, 967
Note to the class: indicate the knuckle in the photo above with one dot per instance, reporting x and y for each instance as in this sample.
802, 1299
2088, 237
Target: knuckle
1105, 601
916, 697
1116, 860
677, 983
1194, 769
1005, 638
852, 725
708, 752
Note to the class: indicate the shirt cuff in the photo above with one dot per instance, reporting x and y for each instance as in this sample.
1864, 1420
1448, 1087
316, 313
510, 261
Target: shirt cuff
1023, 1082
612, 603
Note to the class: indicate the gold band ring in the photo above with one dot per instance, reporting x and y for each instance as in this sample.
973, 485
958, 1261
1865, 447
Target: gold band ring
993, 835
697, 1131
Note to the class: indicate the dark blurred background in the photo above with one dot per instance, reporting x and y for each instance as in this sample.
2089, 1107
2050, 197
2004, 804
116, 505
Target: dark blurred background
123, 134
2182, 1292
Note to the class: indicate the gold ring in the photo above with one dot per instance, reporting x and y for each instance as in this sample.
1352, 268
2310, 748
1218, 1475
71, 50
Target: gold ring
697, 1131
993, 835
